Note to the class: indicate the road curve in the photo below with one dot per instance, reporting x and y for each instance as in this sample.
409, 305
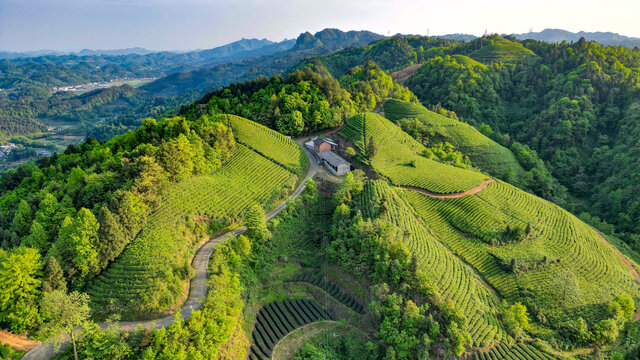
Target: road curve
198, 285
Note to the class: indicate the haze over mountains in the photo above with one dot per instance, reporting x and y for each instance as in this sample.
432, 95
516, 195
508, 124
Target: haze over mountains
559, 35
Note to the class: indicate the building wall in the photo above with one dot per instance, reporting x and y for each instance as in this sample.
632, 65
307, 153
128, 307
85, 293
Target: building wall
340, 170
343, 169
323, 147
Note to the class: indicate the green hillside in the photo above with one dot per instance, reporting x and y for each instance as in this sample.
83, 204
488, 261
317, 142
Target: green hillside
271, 144
448, 275
467, 61
398, 157
549, 242
495, 49
149, 274
483, 152
554, 252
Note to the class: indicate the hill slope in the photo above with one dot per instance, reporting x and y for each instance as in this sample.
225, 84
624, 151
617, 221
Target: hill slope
495, 49
149, 274
483, 152
398, 157
528, 249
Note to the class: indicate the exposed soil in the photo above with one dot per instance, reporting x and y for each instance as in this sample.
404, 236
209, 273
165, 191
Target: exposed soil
21, 343
401, 76
471, 191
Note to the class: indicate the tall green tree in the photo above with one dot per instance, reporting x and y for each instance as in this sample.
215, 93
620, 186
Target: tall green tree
257, 224
38, 238
20, 279
176, 157
112, 239
77, 247
22, 219
63, 313
53, 276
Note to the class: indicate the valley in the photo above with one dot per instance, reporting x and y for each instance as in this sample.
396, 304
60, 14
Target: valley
488, 210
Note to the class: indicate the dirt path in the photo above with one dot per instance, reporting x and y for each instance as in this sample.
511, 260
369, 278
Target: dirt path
17, 342
401, 76
626, 261
198, 286
471, 191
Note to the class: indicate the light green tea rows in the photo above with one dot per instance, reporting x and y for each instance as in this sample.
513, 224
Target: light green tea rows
452, 279
558, 247
397, 157
134, 281
268, 143
483, 152
520, 351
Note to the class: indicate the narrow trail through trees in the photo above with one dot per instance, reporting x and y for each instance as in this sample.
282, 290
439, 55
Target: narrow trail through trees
198, 285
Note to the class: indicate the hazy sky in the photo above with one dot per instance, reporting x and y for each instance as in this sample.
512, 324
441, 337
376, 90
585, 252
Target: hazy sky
191, 24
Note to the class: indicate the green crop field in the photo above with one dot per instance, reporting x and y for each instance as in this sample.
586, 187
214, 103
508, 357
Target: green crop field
501, 50
144, 278
277, 319
268, 143
332, 289
520, 351
452, 279
398, 157
566, 269
483, 152
467, 61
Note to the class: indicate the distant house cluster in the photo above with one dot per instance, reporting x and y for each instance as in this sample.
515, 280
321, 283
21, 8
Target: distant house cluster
322, 149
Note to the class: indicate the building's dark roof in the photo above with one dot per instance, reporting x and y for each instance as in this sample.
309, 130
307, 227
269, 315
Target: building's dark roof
332, 158
318, 141
331, 142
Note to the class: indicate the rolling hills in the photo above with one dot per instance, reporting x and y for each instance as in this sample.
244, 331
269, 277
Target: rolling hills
398, 157
555, 264
149, 274
483, 152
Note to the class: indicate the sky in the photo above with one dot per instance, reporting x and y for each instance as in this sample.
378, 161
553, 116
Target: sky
71, 25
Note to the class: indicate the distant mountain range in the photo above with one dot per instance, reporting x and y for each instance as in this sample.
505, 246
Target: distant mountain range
269, 63
84, 52
559, 35
228, 51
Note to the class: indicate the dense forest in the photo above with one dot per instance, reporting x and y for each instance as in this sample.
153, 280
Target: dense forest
304, 101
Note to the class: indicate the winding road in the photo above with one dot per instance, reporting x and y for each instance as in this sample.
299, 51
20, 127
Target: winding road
198, 285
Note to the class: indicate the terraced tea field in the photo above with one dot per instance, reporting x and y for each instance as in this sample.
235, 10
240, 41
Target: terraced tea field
398, 157
520, 351
277, 319
559, 248
332, 289
268, 143
143, 278
449, 276
482, 151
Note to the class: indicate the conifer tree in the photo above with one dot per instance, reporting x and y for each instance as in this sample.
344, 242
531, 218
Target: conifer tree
257, 224
38, 238
22, 219
53, 276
